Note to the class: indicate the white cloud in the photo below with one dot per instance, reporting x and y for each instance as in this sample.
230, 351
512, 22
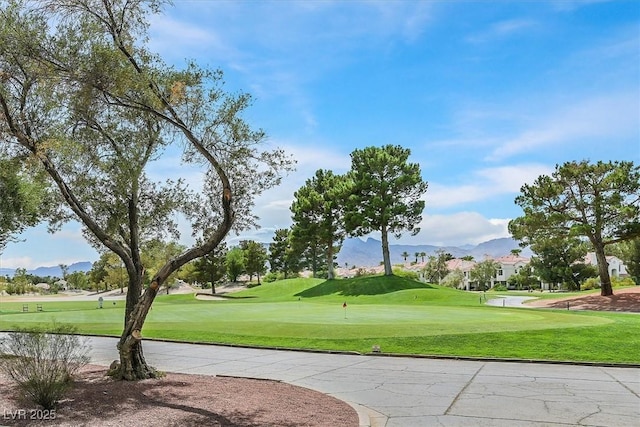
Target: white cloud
610, 116
457, 229
19, 262
174, 38
502, 29
484, 184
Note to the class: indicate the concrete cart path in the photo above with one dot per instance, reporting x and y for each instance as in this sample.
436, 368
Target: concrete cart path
397, 391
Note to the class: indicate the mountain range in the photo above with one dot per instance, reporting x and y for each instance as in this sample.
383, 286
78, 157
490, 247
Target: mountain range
355, 251
368, 253
50, 271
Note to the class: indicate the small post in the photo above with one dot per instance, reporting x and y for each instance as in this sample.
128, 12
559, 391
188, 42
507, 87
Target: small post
344, 305
567, 305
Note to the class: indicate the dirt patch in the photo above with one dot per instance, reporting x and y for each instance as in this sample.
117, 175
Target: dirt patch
180, 400
624, 300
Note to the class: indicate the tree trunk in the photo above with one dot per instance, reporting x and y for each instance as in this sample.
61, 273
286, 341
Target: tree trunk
132, 365
330, 272
603, 271
385, 253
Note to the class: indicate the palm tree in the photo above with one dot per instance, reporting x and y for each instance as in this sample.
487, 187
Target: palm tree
422, 255
417, 254
405, 254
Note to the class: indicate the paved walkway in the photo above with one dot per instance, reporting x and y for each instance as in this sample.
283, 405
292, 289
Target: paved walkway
509, 301
396, 391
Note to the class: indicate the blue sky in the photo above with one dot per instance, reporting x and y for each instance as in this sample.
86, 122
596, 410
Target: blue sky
488, 95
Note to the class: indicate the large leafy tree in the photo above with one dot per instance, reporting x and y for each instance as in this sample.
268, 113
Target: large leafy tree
385, 196
561, 261
84, 101
600, 202
234, 263
525, 278
318, 212
155, 253
436, 268
23, 199
484, 273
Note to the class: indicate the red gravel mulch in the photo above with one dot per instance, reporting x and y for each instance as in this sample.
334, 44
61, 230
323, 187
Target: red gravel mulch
625, 300
179, 400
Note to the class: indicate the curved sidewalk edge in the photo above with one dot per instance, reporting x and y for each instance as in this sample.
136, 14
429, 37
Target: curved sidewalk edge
369, 417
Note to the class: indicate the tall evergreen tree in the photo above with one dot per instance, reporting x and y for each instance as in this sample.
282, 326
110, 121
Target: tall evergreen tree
212, 267
318, 214
255, 257
386, 192
283, 258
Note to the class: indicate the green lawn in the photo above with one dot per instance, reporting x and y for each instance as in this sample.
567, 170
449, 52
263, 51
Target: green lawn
399, 315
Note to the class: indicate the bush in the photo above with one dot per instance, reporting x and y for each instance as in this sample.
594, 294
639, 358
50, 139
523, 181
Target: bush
363, 272
271, 277
617, 282
500, 288
44, 362
407, 274
591, 283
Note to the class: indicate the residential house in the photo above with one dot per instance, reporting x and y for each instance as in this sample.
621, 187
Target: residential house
509, 265
616, 266
464, 266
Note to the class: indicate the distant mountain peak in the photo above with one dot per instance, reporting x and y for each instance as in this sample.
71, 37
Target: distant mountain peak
52, 271
368, 253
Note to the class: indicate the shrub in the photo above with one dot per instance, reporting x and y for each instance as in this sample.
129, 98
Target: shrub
500, 288
362, 272
591, 283
44, 362
617, 282
453, 279
270, 277
408, 274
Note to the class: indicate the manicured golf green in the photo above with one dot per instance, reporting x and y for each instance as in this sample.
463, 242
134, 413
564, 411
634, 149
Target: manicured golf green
397, 314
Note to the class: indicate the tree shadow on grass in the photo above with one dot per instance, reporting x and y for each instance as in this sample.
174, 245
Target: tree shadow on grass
369, 285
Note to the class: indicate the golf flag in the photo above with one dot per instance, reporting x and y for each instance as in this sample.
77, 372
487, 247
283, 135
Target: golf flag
344, 305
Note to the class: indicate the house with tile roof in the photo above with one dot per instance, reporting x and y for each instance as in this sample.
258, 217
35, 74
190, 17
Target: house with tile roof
509, 265
464, 266
616, 266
